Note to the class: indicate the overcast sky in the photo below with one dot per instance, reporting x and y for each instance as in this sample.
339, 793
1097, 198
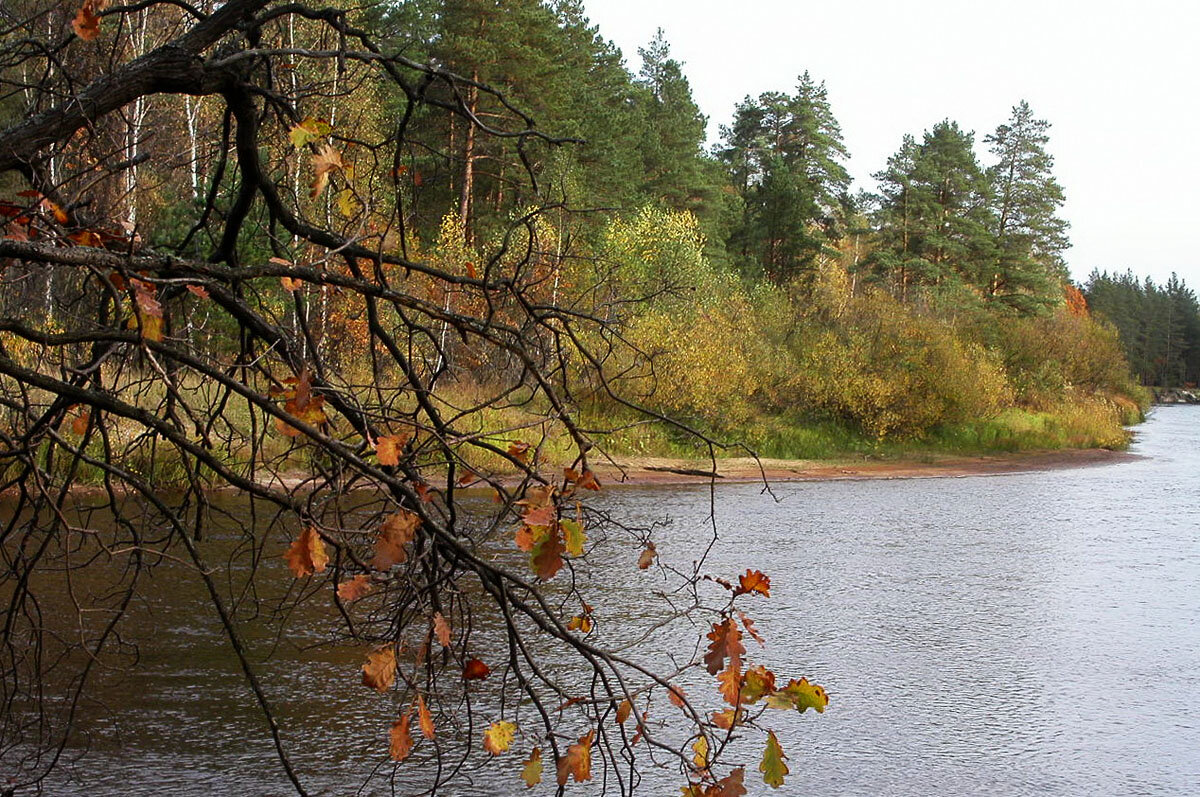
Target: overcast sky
1119, 82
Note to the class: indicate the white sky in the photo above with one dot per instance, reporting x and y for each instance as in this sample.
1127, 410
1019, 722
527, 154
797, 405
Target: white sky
1119, 82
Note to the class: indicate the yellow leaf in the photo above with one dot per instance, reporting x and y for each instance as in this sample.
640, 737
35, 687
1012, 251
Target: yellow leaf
347, 203
307, 555
532, 771
388, 448
574, 536
700, 748
379, 671
307, 131
499, 737
800, 695
772, 765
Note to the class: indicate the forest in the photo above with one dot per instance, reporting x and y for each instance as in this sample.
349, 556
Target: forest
354, 263
845, 321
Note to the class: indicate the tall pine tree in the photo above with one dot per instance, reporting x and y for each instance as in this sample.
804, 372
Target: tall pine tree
1030, 236
785, 155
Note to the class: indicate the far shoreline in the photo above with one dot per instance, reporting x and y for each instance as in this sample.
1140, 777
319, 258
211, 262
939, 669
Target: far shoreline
655, 471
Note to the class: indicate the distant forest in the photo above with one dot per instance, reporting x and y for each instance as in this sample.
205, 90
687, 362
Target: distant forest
1159, 325
762, 290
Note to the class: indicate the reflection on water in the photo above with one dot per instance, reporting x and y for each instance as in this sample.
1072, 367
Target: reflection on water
1020, 634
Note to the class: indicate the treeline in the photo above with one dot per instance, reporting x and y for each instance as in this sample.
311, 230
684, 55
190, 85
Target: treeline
758, 291
1159, 325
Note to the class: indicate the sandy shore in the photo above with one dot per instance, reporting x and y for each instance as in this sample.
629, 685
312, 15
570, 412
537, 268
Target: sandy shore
635, 471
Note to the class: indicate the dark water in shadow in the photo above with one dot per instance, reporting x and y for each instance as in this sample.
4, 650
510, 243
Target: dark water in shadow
1019, 634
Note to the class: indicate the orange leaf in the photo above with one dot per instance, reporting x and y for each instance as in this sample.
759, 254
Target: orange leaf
677, 696
80, 424
424, 718
471, 271
754, 581
730, 683
623, 711
86, 24
726, 642
577, 763
499, 737
289, 284
732, 785
394, 533
748, 624
540, 515
401, 740
379, 671
198, 290
476, 670
531, 773
726, 719
647, 557
354, 589
441, 629
86, 238
588, 481
306, 555
388, 448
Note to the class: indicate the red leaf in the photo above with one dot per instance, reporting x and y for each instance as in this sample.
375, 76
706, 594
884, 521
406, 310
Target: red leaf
476, 670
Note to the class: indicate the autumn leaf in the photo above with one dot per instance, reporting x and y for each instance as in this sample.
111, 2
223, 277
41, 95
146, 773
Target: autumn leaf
726, 643
748, 624
476, 670
379, 671
677, 696
588, 481
800, 695
388, 448
772, 765
758, 681
498, 737
518, 449
348, 203
80, 424
306, 555
546, 557
574, 536
732, 785
89, 238
700, 750
531, 772
727, 719
354, 589
647, 557
754, 581
86, 23
291, 284
394, 533
198, 290
308, 131
327, 161
581, 622
623, 711
401, 740
729, 683
577, 763
441, 629
424, 718
540, 516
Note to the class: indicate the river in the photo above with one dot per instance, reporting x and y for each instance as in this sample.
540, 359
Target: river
1033, 633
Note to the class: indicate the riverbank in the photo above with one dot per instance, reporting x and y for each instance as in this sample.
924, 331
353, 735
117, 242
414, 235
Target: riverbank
644, 471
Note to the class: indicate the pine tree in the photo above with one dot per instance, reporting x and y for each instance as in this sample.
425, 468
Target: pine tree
1030, 237
785, 156
934, 215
